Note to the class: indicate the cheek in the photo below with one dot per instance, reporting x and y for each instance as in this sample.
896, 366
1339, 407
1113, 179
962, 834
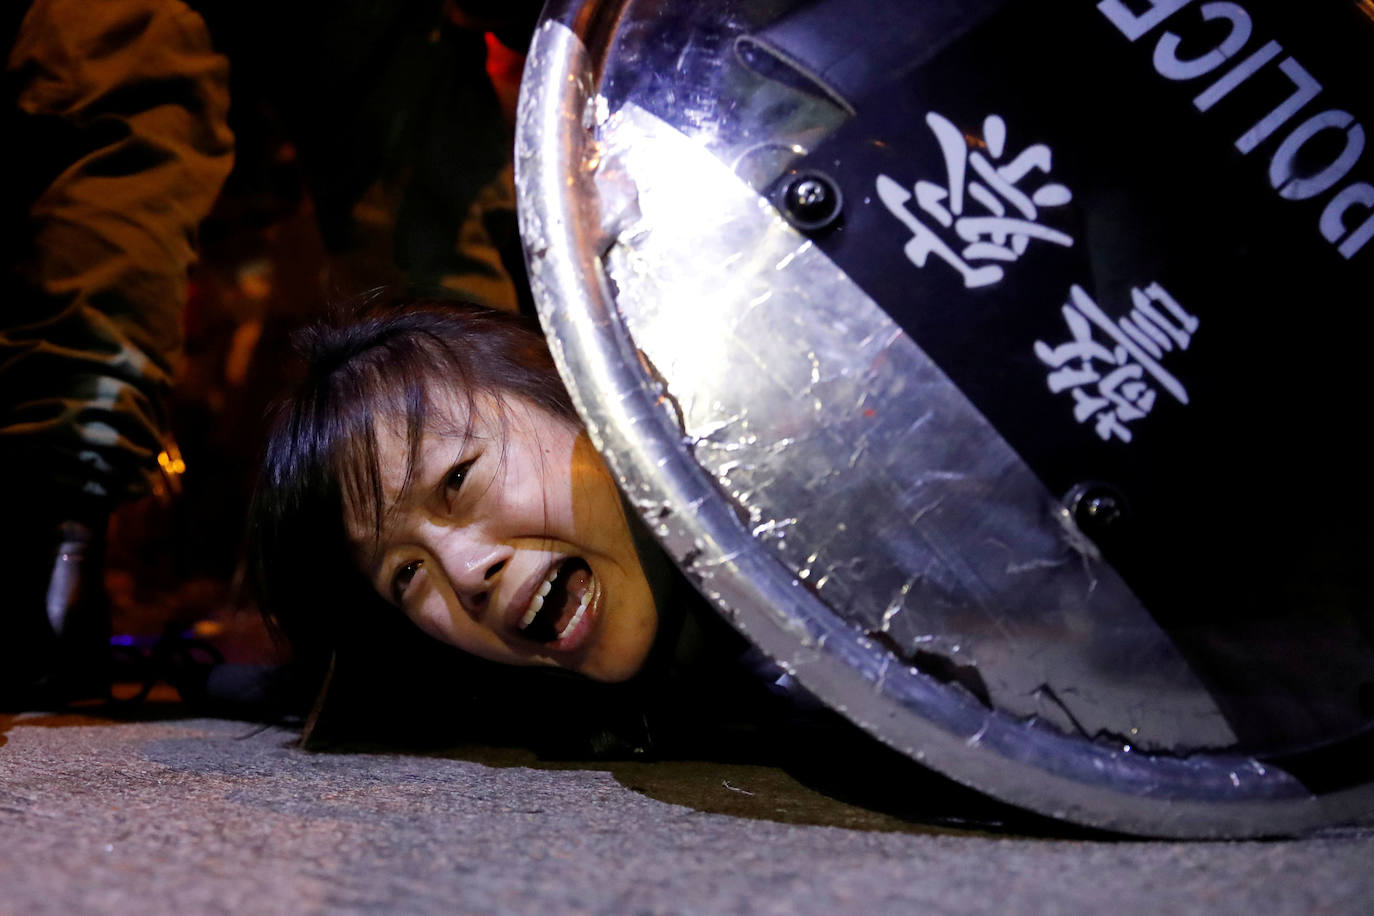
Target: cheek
630, 634
458, 630
529, 495
433, 620
596, 509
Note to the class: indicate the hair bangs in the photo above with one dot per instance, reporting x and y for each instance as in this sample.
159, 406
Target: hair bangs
371, 379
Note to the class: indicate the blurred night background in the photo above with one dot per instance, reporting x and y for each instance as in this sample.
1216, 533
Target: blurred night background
372, 150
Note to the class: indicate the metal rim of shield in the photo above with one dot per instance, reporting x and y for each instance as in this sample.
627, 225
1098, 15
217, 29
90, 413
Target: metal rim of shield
621, 212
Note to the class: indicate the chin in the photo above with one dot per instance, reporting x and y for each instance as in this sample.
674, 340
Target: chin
625, 656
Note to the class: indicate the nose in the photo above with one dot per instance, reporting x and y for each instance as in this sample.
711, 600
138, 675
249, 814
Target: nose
474, 576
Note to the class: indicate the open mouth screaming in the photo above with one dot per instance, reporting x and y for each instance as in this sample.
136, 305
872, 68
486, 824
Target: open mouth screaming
560, 604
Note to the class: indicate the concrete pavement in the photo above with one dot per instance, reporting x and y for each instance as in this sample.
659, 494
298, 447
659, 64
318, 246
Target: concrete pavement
169, 815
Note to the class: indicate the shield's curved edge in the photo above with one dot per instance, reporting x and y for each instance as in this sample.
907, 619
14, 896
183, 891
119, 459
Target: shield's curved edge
1020, 762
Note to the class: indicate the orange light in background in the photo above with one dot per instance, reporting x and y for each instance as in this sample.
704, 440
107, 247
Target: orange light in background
255, 279
170, 464
207, 629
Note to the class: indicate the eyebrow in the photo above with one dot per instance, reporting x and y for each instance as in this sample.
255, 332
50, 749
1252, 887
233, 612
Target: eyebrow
417, 470
371, 555
418, 428
370, 559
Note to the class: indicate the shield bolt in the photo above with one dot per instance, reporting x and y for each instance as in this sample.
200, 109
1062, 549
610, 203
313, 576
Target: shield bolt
810, 200
1099, 509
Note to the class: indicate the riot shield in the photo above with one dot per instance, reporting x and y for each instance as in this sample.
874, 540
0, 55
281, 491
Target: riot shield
995, 367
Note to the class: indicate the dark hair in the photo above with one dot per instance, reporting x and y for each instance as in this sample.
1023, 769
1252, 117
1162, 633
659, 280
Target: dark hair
321, 456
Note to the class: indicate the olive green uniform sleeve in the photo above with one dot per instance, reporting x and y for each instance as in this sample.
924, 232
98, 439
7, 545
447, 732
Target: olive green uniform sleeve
120, 124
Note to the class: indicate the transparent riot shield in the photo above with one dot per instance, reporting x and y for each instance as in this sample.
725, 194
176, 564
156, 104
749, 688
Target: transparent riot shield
996, 367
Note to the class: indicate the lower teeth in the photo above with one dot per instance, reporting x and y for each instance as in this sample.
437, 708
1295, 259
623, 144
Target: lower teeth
577, 617
540, 622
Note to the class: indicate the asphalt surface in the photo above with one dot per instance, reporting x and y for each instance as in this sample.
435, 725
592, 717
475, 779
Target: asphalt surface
163, 814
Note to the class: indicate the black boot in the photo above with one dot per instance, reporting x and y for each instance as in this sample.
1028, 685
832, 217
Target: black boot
54, 613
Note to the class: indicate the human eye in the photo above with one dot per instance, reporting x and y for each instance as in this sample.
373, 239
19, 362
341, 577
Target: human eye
401, 580
453, 480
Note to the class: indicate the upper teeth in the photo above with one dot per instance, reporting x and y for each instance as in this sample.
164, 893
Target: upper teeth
537, 602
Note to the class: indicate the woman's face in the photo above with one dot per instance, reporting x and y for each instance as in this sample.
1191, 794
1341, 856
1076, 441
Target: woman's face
510, 542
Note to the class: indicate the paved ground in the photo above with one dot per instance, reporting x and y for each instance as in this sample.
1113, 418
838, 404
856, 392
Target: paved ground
173, 815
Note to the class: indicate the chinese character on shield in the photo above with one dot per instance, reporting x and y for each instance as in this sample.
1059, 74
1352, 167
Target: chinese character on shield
1114, 381
981, 210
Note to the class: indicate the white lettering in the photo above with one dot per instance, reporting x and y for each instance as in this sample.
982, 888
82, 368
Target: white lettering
1306, 91
1132, 25
1114, 382
1333, 218
1237, 75
1001, 233
1171, 66
1281, 167
1135, 18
